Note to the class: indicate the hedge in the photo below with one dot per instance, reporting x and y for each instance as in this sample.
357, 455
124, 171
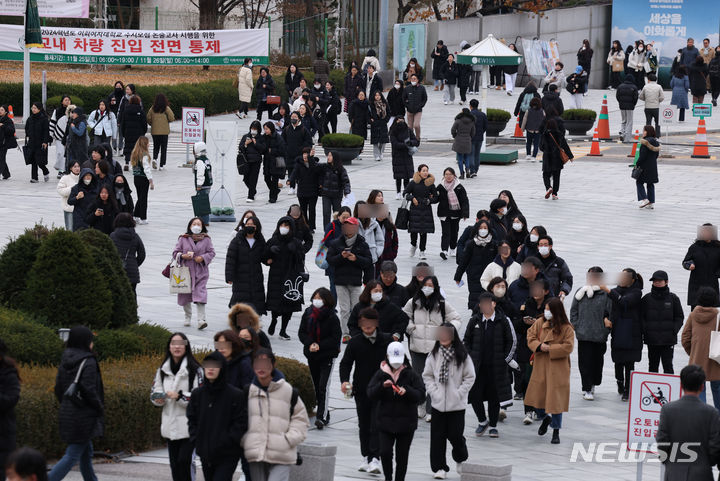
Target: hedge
498, 115
28, 340
132, 423
135, 340
579, 114
341, 141
16, 260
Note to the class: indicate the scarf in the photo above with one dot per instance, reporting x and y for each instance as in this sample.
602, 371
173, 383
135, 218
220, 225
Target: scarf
350, 241
313, 328
452, 196
448, 355
482, 241
394, 375
380, 108
588, 291
120, 196
197, 237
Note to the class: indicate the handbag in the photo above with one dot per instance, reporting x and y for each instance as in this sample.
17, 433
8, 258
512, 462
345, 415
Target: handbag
73, 394
402, 219
617, 66
180, 280
280, 163
636, 172
714, 351
27, 154
201, 205
242, 163
273, 100
563, 155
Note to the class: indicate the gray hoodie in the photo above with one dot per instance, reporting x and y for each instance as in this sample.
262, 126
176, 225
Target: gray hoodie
587, 314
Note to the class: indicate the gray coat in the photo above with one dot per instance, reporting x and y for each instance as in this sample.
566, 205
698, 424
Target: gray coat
689, 420
463, 131
587, 316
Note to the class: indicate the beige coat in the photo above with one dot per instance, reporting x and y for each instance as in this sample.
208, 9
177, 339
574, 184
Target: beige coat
421, 329
245, 84
160, 122
272, 435
696, 340
652, 94
549, 386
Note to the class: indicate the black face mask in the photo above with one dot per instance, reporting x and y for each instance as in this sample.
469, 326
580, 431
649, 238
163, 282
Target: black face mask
119, 187
249, 229
246, 343
119, 91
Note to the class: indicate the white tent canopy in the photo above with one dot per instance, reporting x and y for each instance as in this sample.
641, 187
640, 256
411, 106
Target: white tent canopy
489, 51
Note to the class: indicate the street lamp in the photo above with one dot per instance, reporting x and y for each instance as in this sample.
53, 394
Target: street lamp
64, 333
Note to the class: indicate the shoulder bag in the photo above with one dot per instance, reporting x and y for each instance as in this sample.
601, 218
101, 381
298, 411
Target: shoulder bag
563, 155
402, 219
72, 393
180, 280
714, 350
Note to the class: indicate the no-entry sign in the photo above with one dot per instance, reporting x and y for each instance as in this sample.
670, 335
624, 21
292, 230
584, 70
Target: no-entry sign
193, 124
649, 392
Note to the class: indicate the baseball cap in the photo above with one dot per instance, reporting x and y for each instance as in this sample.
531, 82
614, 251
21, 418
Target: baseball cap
659, 276
352, 220
396, 352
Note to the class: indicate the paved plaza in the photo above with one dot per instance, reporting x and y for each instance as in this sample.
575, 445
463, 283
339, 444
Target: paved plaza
595, 222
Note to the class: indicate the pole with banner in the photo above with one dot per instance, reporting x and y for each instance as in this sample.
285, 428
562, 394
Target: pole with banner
33, 38
667, 118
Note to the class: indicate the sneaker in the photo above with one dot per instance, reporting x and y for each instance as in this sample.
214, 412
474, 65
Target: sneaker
374, 466
186, 323
528, 419
398, 196
201, 325
291, 191
126, 167
493, 433
154, 165
518, 397
548, 193
452, 252
249, 200
445, 102
346, 338
482, 427
421, 411
143, 222
542, 430
461, 103
510, 94
528, 157
585, 94
363, 466
625, 397
554, 197
46, 178
136, 219
319, 424
588, 396
502, 416
644, 203
161, 168
413, 250
443, 255
34, 181
271, 329
59, 175
428, 418
650, 206
284, 336
439, 474
422, 256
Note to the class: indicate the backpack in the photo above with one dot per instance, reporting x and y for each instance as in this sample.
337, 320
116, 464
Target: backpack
525, 104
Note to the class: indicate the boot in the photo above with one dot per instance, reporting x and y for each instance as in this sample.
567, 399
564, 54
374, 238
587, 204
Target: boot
202, 324
442, 86
188, 314
273, 323
555, 437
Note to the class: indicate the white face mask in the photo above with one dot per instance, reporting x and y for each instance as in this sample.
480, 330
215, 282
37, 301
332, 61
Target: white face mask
317, 86
253, 132
499, 292
318, 303
87, 181
376, 296
544, 250
482, 232
517, 226
503, 211
395, 365
427, 290
284, 230
250, 65
534, 237
397, 86
195, 229
412, 64
413, 83
547, 314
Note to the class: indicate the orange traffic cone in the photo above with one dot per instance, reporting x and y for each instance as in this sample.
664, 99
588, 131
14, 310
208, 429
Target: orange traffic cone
604, 121
634, 149
518, 134
10, 113
595, 147
700, 151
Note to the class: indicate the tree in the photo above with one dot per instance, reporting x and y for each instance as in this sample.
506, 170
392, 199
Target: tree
214, 12
404, 8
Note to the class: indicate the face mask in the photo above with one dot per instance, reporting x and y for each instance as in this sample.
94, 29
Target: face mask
376, 296
413, 83
253, 133
482, 232
503, 211
317, 303
284, 230
547, 314
427, 290
249, 229
544, 250
395, 365
517, 226
317, 86
119, 187
247, 343
640, 49
412, 64
294, 121
87, 181
499, 292
534, 237
397, 86
196, 229
250, 65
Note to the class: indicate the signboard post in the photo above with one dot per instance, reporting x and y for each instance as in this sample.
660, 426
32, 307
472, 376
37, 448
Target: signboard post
221, 143
649, 392
667, 118
702, 110
193, 129
408, 42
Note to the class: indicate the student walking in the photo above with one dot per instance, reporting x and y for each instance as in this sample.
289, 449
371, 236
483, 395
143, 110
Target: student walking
453, 205
37, 139
403, 142
551, 143
142, 177
463, 131
662, 317
421, 192
647, 163
159, 117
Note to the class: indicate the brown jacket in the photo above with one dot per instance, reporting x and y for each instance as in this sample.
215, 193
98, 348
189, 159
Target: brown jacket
160, 122
696, 340
549, 386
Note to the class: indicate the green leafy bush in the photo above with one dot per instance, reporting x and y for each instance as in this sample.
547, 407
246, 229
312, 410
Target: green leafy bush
118, 344
107, 259
342, 141
298, 374
65, 286
154, 337
579, 114
28, 340
16, 261
55, 102
498, 115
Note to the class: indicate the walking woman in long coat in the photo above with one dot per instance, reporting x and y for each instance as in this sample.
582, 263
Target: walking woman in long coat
402, 139
243, 266
421, 193
195, 250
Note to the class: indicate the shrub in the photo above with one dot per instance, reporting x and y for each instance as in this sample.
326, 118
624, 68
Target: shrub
65, 285
579, 114
28, 340
16, 261
54, 102
342, 140
107, 259
154, 337
118, 344
498, 115
298, 374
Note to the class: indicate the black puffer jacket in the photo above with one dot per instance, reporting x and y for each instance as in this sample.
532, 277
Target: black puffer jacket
474, 260
243, 267
662, 317
264, 87
706, 258
353, 85
529, 308
82, 205
378, 124
9, 397
551, 159
334, 182
504, 343
306, 177
285, 286
558, 274
134, 126
647, 160
37, 131
393, 319
415, 98
443, 209
402, 161
253, 151
105, 222
395, 413
295, 138
325, 331
274, 148
347, 272
551, 101
627, 94
421, 215
80, 423
125, 194
359, 117
396, 293
450, 73
395, 101
626, 342
131, 250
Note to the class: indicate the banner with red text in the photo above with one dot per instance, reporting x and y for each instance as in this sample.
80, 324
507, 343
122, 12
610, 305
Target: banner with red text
139, 47
48, 8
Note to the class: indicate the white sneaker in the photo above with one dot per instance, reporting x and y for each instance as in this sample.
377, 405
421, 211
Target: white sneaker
249, 200
291, 191
143, 221
363, 466
445, 102
588, 396
528, 419
374, 466
398, 196
422, 256
428, 418
413, 250
421, 411
440, 475
186, 323
452, 252
650, 206
644, 203
458, 468
528, 157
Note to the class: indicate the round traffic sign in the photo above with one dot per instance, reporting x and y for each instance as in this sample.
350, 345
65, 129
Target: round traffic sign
668, 115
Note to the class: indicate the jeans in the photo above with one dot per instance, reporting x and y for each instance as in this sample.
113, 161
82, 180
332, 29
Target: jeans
650, 196
449, 93
413, 122
651, 114
414, 239
68, 220
418, 364
142, 185
268, 472
180, 453
347, 297
160, 143
591, 356
444, 427
464, 162
715, 388
626, 126
402, 442
330, 206
555, 423
81, 454
555, 180
658, 353
475, 155
450, 228
510, 82
308, 207
222, 470
533, 140
320, 373
251, 178
378, 150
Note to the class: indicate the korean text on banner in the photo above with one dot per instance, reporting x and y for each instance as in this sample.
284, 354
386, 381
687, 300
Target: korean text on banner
193, 125
649, 392
48, 8
139, 47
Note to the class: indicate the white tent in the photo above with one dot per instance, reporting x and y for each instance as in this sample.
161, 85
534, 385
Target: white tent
489, 51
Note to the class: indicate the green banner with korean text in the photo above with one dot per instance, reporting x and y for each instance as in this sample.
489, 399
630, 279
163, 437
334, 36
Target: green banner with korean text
139, 47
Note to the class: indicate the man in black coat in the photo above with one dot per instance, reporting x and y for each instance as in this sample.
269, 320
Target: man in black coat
491, 342
349, 255
552, 101
555, 268
627, 97
662, 317
396, 293
519, 289
365, 351
689, 420
703, 261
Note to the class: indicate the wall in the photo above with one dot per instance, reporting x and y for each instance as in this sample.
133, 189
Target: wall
568, 26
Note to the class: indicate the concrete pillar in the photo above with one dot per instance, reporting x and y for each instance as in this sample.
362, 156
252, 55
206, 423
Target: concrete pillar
484, 472
318, 463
